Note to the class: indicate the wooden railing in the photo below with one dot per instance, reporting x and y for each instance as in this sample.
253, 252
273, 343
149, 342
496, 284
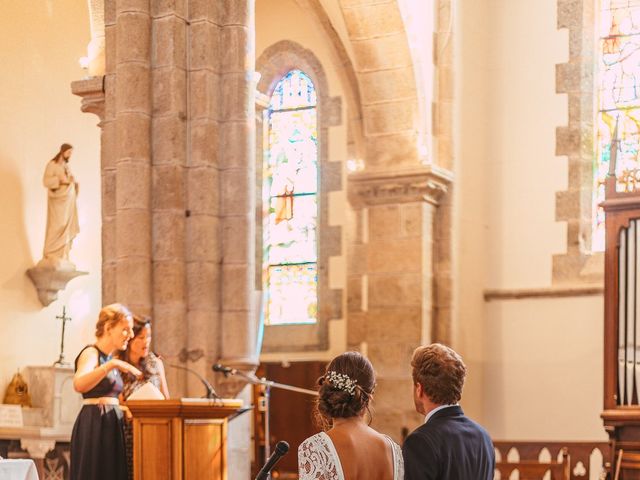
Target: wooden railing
586, 458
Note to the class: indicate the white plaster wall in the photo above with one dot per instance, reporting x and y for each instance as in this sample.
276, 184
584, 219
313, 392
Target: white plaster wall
471, 206
535, 366
40, 44
523, 112
302, 27
544, 365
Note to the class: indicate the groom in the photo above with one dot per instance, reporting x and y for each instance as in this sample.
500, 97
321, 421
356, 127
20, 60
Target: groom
448, 446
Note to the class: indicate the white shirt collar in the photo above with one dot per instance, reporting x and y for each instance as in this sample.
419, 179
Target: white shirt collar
432, 412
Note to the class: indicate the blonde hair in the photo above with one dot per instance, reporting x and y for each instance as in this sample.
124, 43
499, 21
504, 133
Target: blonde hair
440, 371
110, 316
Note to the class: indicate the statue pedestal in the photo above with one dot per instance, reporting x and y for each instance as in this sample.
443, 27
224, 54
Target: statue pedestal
49, 278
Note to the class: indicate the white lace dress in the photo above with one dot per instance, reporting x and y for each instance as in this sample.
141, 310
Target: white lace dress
318, 459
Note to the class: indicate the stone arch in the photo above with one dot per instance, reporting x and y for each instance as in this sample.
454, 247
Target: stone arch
384, 67
371, 41
273, 64
287, 55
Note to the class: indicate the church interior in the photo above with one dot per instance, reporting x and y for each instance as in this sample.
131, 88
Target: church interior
436, 175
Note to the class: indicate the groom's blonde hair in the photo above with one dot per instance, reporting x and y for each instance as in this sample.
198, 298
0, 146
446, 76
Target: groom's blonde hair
440, 371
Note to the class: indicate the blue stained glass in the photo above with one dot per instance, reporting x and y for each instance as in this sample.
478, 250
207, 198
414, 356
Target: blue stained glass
294, 90
293, 153
292, 296
618, 101
290, 203
293, 240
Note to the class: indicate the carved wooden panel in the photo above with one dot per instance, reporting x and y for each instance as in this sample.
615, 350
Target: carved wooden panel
586, 459
203, 452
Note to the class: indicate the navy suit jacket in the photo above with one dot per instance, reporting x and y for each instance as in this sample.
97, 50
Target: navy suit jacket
449, 446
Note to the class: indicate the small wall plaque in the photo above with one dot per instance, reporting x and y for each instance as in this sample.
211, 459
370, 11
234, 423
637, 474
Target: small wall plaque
11, 416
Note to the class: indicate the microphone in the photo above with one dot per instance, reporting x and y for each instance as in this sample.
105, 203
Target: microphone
211, 393
280, 451
225, 370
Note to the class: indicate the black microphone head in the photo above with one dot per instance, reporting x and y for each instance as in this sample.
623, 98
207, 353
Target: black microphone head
282, 447
218, 368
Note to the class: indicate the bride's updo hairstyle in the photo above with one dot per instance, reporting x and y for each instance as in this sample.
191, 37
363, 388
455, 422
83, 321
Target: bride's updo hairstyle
345, 388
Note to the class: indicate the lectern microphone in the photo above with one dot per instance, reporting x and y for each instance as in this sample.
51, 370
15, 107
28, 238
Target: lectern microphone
211, 393
280, 451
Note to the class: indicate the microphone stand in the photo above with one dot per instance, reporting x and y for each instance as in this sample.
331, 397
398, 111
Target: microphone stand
211, 393
268, 385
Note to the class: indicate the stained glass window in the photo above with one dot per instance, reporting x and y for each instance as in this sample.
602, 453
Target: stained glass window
290, 203
618, 100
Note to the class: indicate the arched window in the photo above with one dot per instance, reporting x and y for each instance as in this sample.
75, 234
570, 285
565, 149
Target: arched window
290, 203
618, 101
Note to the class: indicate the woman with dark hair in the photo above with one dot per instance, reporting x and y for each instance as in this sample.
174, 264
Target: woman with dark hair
349, 449
138, 353
97, 440
62, 214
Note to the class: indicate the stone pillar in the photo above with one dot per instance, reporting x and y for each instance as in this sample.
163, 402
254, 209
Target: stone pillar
108, 142
133, 155
177, 104
203, 190
443, 134
169, 147
391, 281
237, 175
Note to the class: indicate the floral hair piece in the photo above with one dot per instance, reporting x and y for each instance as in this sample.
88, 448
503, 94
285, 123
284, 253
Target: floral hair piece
341, 381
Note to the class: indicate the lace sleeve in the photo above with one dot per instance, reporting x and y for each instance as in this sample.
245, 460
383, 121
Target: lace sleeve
398, 462
316, 460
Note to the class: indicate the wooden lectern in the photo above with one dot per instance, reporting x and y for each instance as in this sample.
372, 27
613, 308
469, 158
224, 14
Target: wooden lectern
182, 439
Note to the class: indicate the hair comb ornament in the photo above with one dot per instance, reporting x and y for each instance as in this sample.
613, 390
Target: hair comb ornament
341, 381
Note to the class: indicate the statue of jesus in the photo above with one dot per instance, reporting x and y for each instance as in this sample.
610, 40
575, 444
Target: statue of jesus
62, 214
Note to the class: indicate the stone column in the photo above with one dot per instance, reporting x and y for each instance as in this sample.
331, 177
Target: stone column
202, 254
391, 281
179, 176
237, 161
133, 154
169, 147
108, 144
443, 134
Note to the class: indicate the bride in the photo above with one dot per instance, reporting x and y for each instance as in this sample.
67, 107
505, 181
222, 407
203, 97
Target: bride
349, 449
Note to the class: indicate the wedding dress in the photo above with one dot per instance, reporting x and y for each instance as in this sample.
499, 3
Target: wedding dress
318, 459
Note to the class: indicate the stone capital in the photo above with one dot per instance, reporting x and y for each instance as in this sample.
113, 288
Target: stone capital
426, 183
92, 92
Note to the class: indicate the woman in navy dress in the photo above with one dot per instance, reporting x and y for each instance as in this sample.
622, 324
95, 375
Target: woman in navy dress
97, 440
